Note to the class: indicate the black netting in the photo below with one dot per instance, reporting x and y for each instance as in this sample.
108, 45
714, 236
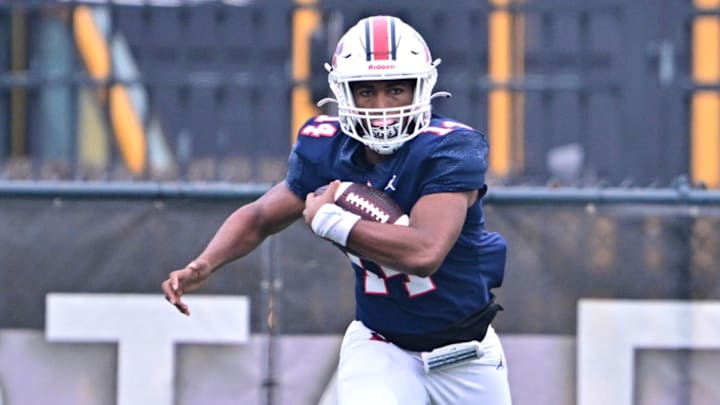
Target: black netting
556, 255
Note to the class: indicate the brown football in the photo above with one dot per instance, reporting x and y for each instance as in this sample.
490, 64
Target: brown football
369, 203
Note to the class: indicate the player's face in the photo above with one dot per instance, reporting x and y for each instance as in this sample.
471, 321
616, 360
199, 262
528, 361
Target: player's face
381, 105
383, 93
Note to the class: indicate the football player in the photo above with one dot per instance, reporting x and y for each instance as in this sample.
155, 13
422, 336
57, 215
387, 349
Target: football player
422, 333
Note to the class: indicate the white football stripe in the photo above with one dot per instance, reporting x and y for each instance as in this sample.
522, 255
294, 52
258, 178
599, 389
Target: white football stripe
343, 186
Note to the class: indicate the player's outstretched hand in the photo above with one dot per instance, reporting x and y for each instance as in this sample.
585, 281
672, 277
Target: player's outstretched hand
183, 281
315, 200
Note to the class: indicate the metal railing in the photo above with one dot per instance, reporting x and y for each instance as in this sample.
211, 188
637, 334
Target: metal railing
681, 195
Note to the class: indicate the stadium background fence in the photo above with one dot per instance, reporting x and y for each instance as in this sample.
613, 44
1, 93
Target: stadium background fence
592, 92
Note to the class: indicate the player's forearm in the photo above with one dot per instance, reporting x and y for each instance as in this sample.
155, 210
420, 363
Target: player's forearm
249, 225
401, 248
420, 248
237, 237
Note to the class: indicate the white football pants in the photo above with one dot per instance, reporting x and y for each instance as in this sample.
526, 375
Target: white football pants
376, 372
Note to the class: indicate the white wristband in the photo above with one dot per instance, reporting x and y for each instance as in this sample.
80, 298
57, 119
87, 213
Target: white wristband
334, 223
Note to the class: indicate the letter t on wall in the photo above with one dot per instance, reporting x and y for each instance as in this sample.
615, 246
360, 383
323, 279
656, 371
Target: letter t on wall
609, 332
146, 329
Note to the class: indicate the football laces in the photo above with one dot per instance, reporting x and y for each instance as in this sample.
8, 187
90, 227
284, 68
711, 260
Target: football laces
365, 205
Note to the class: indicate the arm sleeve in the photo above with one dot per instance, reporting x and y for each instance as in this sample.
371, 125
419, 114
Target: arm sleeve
293, 180
302, 174
458, 163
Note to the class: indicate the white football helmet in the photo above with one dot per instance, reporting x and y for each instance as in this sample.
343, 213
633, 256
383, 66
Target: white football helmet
382, 48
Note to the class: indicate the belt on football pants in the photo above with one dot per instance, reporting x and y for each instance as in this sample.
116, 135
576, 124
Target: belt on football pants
472, 327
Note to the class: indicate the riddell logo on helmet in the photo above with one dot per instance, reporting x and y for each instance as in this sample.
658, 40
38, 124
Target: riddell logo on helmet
380, 67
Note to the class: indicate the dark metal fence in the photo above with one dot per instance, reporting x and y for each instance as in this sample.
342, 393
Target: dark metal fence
564, 244
191, 91
599, 92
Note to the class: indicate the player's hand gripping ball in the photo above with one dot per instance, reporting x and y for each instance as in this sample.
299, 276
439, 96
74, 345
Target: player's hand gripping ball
369, 203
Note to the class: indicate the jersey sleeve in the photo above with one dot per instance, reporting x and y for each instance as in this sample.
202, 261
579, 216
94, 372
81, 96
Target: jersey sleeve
307, 162
458, 162
294, 180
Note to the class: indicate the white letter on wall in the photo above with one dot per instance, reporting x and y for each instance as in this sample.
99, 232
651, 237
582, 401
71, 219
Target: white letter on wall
610, 330
146, 329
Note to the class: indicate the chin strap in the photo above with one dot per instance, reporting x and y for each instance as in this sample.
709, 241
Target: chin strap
325, 101
440, 94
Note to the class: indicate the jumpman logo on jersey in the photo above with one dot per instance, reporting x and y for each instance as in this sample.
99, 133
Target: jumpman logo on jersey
390, 185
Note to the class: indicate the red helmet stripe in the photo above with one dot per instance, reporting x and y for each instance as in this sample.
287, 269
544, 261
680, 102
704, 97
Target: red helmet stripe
380, 49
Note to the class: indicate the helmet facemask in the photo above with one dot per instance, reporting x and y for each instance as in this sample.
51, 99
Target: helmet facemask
383, 130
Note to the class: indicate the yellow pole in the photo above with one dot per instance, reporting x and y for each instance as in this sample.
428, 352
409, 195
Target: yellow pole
705, 110
93, 47
517, 118
127, 125
129, 129
500, 100
305, 21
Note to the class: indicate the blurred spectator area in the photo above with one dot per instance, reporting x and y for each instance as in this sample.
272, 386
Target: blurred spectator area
122, 91
571, 93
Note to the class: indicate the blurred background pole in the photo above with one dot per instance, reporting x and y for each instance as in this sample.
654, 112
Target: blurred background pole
306, 19
51, 53
271, 284
18, 95
4, 70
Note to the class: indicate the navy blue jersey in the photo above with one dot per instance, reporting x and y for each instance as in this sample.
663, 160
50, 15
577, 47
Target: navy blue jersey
447, 157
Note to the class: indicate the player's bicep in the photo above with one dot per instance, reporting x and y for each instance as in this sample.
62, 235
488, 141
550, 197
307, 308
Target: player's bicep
440, 217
